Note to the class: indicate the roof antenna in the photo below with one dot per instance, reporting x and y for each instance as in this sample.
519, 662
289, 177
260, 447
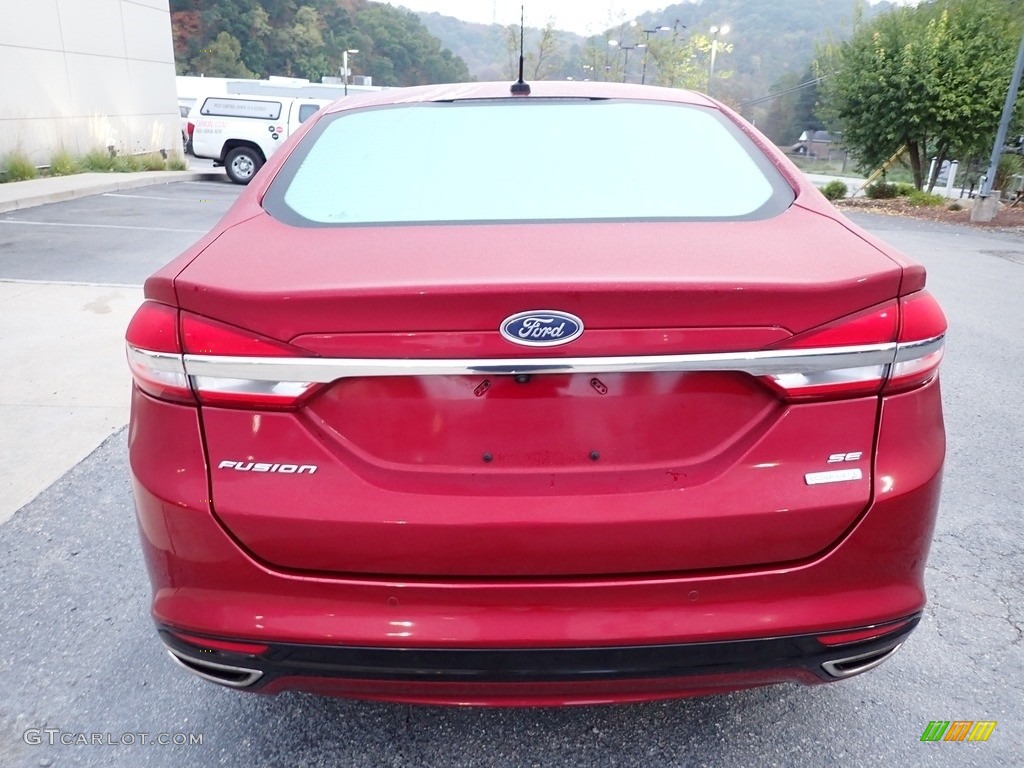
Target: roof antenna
519, 88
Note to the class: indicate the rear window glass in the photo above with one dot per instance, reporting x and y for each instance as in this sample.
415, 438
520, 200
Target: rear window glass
518, 160
306, 111
266, 110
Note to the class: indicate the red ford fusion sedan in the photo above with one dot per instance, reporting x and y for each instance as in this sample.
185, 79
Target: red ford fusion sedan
462, 403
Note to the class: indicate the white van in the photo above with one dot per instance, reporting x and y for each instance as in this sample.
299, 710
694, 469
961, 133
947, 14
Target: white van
241, 132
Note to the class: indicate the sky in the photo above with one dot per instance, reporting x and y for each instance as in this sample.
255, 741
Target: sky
585, 17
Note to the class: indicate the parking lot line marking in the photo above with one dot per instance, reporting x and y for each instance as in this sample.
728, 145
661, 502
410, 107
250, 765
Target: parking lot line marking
143, 197
84, 284
102, 226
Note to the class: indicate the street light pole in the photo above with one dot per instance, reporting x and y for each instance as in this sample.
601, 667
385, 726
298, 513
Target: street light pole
625, 63
715, 31
344, 65
648, 33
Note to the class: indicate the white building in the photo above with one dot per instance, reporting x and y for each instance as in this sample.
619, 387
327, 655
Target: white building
86, 74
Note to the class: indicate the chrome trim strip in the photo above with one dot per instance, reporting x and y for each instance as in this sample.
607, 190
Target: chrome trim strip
168, 362
914, 350
324, 370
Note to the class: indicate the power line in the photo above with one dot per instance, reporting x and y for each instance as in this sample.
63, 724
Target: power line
794, 89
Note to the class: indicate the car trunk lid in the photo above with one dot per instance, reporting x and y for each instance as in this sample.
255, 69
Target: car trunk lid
467, 455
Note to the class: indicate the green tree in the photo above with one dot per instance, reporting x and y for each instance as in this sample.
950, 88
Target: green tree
305, 44
222, 58
684, 62
235, 38
546, 58
931, 79
398, 50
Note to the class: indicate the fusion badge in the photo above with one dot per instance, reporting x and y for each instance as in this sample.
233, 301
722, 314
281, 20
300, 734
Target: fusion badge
541, 328
258, 466
835, 476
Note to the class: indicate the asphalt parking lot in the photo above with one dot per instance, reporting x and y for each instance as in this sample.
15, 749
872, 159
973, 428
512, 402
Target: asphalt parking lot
79, 660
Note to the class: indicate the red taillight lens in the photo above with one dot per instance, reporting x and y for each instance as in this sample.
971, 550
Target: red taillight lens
162, 363
190, 129
205, 340
922, 327
874, 327
154, 353
900, 345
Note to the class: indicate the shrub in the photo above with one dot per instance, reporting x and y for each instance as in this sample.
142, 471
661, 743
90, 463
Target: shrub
176, 163
99, 160
923, 199
834, 190
904, 189
954, 207
127, 164
153, 162
63, 163
17, 167
881, 190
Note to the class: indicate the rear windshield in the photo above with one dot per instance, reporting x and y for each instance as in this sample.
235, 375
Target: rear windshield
525, 160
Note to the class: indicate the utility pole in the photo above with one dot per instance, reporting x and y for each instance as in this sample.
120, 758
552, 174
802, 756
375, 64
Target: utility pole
986, 211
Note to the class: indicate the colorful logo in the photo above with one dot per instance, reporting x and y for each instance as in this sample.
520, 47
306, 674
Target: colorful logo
541, 328
958, 730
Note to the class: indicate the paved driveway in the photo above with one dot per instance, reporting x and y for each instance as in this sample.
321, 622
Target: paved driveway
79, 660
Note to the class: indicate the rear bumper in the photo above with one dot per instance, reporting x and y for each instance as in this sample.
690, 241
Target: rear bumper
616, 638
538, 675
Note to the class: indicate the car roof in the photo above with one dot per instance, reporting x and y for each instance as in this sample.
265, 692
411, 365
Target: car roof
542, 89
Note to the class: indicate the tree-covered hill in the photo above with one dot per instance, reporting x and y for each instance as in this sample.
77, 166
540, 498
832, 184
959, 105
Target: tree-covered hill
306, 38
768, 49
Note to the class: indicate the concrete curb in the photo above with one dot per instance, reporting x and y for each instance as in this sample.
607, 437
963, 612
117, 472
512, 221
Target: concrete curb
18, 195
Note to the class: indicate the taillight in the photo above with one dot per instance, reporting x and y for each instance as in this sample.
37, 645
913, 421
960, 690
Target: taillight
159, 359
900, 344
154, 353
922, 330
870, 330
206, 340
190, 129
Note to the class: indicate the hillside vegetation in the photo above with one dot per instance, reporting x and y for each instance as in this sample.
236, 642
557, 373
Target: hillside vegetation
306, 38
768, 49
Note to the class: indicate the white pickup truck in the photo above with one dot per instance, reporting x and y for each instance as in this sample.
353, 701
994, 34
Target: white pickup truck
241, 132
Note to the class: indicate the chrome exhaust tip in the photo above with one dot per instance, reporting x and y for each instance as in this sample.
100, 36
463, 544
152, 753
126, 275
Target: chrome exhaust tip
862, 662
222, 674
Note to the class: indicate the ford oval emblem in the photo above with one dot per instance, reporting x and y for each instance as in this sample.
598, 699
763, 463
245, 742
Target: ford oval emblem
542, 328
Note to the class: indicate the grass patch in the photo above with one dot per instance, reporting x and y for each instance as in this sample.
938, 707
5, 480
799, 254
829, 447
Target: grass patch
98, 161
822, 166
154, 161
17, 167
63, 163
128, 164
